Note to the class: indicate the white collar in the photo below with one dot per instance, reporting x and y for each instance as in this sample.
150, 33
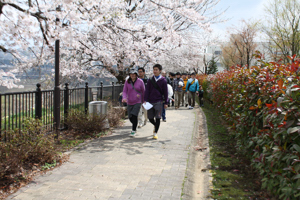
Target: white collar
157, 78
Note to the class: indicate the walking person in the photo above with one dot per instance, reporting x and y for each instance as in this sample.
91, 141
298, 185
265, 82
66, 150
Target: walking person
156, 94
177, 85
142, 117
192, 88
164, 74
170, 99
163, 115
133, 95
200, 95
184, 92
172, 77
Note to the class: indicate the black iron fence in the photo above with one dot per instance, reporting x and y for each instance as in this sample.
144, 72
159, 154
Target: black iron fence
16, 108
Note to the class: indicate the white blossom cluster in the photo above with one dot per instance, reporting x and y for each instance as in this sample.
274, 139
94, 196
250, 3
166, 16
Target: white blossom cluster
96, 35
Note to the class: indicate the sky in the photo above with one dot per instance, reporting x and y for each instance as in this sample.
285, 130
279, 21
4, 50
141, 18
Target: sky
237, 11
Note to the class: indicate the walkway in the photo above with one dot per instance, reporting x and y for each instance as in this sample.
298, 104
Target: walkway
120, 167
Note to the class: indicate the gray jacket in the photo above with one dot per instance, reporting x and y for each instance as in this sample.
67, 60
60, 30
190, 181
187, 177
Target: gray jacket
176, 84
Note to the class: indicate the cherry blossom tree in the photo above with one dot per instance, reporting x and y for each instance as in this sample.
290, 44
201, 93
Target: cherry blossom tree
99, 38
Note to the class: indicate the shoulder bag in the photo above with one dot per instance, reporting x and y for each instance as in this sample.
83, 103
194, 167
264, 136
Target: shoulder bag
157, 87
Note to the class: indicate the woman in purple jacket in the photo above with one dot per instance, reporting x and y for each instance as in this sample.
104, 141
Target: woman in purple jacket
133, 95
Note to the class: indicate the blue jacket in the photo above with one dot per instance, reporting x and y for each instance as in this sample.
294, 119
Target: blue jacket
192, 87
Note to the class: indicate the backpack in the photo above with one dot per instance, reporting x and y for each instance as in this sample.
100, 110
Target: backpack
191, 84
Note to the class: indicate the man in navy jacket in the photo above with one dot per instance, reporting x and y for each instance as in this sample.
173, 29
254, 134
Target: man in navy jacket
157, 94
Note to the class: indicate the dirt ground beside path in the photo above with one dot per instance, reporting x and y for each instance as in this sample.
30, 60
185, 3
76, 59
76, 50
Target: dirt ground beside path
198, 181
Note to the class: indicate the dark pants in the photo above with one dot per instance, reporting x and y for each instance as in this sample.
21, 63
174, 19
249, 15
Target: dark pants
134, 120
192, 97
201, 102
133, 112
154, 115
163, 114
173, 101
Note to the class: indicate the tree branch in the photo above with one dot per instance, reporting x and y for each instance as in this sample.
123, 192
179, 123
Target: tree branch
3, 48
37, 15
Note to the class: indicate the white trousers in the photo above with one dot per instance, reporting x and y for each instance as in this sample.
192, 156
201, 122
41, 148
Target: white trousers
142, 118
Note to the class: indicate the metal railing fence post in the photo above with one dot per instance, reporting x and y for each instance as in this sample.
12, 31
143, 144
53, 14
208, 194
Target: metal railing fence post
113, 91
56, 99
101, 91
38, 102
0, 117
86, 101
66, 103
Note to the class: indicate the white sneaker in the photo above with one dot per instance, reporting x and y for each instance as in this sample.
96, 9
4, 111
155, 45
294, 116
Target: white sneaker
140, 126
132, 134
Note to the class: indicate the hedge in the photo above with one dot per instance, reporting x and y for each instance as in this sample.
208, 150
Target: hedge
262, 108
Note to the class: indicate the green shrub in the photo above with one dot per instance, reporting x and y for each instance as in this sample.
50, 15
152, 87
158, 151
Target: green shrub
262, 106
27, 148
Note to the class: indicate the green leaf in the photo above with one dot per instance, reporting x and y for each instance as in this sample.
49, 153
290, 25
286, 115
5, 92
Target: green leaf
296, 147
292, 130
297, 176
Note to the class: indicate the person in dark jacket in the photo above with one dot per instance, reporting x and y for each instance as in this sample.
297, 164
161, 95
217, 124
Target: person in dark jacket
142, 118
177, 87
200, 95
156, 94
142, 75
164, 74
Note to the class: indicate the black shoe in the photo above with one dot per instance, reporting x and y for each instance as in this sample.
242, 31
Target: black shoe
186, 105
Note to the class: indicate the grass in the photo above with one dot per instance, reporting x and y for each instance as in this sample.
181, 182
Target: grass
68, 144
233, 177
49, 165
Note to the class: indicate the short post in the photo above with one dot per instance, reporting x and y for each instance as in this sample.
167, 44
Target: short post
86, 96
98, 93
91, 94
101, 91
56, 91
113, 91
38, 102
66, 103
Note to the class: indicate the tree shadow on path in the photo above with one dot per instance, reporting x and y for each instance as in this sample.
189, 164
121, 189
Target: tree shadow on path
121, 140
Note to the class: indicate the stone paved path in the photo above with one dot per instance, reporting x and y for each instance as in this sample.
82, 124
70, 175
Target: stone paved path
120, 167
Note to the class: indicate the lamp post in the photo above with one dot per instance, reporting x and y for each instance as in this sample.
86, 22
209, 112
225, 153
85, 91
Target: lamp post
56, 110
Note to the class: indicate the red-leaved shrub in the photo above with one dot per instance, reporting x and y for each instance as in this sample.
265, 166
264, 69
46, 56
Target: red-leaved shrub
262, 107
